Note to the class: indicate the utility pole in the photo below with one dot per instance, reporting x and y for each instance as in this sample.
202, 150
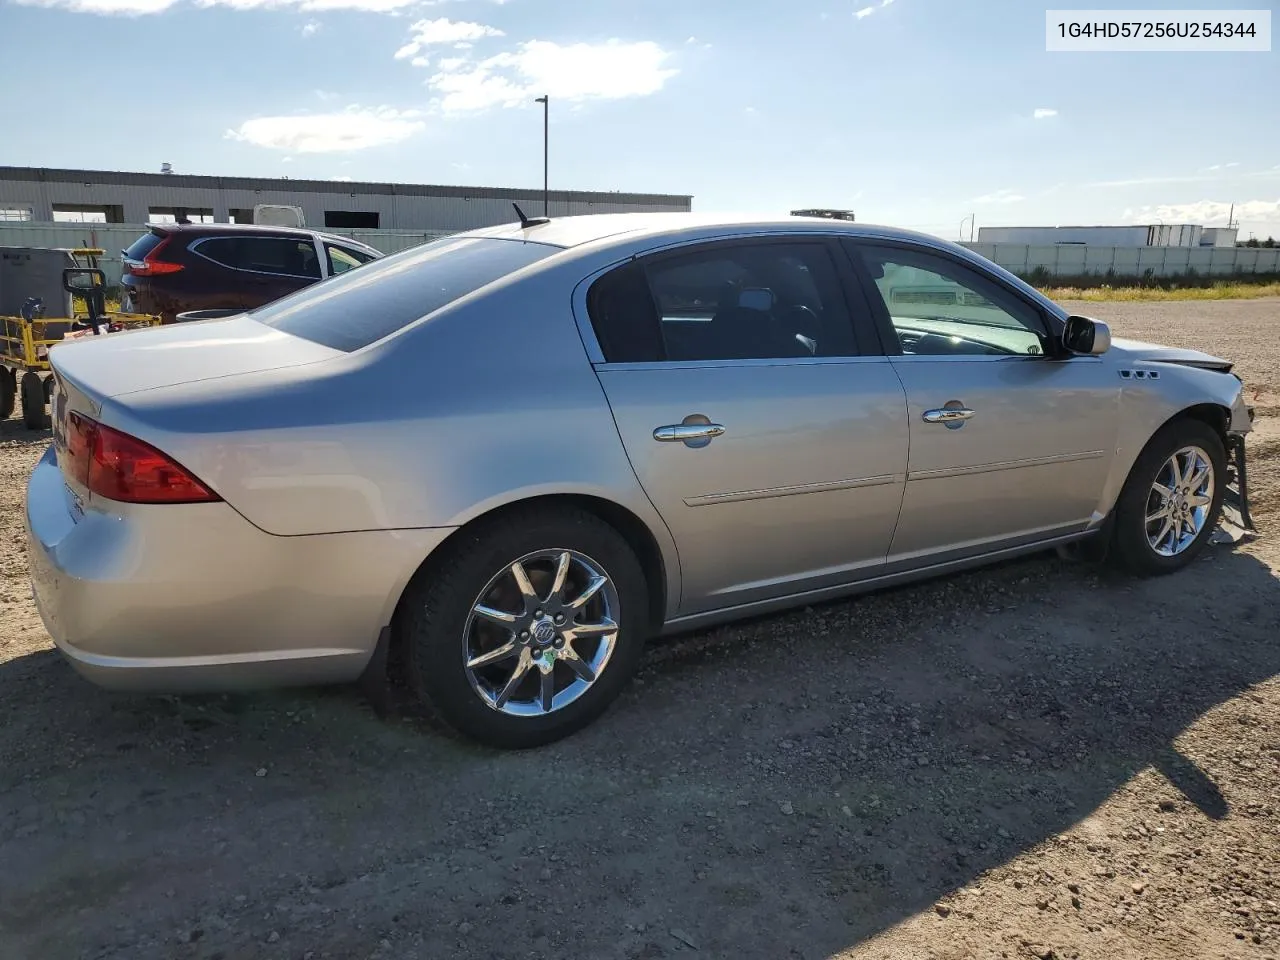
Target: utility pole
546, 153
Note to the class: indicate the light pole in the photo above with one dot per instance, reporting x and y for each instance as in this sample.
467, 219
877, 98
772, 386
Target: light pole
969, 219
546, 153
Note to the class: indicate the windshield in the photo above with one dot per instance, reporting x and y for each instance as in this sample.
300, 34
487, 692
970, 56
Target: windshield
354, 309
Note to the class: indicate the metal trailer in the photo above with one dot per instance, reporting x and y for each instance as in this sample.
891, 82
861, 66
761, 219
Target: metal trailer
25, 339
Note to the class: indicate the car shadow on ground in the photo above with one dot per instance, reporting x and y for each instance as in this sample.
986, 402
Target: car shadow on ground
787, 787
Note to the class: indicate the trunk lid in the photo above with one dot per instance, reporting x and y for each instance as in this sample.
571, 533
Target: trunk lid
117, 364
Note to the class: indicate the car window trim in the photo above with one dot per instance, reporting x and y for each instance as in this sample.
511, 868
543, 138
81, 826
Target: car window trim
884, 323
194, 247
828, 241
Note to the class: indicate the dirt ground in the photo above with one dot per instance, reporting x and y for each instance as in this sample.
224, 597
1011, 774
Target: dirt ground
1037, 760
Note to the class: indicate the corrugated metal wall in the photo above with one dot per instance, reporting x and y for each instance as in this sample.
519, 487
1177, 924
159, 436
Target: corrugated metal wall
398, 206
1068, 260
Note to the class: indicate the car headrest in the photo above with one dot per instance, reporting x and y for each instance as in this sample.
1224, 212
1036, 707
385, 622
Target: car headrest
756, 298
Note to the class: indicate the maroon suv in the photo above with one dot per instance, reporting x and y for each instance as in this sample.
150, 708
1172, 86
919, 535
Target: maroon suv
176, 268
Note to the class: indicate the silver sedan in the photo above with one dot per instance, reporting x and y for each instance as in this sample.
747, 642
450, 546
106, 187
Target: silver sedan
502, 460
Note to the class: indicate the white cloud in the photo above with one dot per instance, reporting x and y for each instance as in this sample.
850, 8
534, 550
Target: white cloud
311, 27
326, 95
575, 72
124, 8
1233, 163
286, 159
135, 8
1000, 196
450, 64
426, 33
356, 128
1043, 113
364, 6
342, 179
865, 12
420, 62
1207, 212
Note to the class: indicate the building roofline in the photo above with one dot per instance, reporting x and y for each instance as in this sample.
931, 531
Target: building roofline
128, 178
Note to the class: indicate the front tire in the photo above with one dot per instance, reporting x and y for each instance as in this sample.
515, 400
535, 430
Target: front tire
527, 628
1172, 500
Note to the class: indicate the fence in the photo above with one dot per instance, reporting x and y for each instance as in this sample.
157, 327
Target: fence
1064, 260
1073, 260
114, 237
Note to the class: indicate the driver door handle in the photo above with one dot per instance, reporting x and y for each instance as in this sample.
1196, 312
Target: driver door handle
947, 415
685, 432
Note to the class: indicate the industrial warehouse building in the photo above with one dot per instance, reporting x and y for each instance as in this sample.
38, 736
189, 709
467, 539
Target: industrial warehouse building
1151, 235
41, 195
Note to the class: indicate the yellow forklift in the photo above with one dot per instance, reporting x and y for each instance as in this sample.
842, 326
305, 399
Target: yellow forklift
25, 339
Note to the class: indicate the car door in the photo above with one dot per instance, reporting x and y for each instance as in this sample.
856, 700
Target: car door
774, 449
280, 265
1011, 441
256, 268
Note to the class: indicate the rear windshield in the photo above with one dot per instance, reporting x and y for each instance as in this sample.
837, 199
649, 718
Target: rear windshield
354, 309
144, 245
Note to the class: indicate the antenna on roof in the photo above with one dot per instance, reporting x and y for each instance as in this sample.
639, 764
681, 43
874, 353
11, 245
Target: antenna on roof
526, 222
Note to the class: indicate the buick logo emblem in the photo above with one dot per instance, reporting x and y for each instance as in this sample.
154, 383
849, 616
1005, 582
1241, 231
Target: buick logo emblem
544, 632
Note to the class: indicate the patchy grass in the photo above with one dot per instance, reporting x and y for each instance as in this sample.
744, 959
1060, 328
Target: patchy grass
1223, 290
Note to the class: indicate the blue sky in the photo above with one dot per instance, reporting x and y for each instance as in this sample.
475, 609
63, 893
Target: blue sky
911, 112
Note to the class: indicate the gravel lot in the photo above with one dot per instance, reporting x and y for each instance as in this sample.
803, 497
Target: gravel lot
1038, 760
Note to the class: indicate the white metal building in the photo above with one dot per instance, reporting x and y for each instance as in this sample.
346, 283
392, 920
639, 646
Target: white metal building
41, 195
1151, 235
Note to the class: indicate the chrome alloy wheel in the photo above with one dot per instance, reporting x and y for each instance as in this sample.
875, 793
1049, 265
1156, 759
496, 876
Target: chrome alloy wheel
1179, 502
541, 632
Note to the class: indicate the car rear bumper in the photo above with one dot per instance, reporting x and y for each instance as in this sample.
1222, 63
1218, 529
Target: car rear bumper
193, 597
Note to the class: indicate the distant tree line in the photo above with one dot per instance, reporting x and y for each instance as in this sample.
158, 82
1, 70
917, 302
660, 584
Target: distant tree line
1255, 242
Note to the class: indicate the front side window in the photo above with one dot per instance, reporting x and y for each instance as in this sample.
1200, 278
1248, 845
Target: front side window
725, 301
356, 308
342, 259
942, 308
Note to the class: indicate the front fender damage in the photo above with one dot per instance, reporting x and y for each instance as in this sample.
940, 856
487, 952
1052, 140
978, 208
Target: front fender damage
1237, 522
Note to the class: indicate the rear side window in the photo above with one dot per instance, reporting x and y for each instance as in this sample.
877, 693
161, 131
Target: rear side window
354, 309
286, 256
725, 301
144, 245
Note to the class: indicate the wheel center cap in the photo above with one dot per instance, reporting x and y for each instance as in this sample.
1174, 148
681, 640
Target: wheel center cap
544, 632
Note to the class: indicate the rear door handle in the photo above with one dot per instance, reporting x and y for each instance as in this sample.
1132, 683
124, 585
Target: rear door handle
948, 415
691, 434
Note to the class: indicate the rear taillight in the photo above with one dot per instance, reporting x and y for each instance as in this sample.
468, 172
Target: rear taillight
120, 467
151, 265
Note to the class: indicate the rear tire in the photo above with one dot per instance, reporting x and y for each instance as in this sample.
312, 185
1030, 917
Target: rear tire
33, 401
8, 392
1164, 518
503, 701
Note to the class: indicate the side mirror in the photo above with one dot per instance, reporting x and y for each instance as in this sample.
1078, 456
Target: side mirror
1086, 337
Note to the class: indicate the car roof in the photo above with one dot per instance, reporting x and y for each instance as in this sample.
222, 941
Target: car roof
577, 231
225, 229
